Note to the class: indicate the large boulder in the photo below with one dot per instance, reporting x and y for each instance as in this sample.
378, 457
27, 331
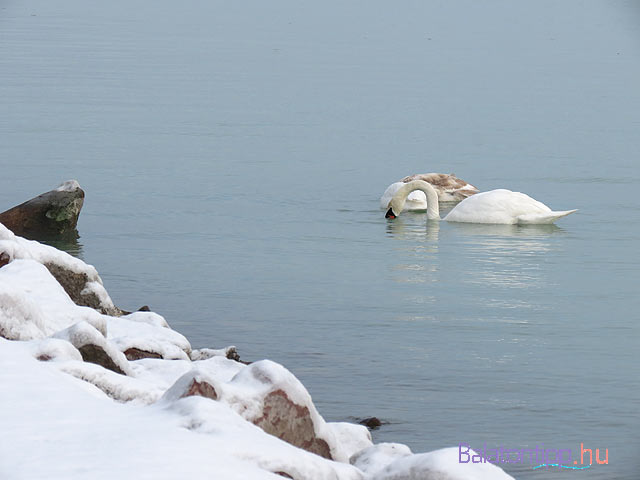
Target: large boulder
52, 213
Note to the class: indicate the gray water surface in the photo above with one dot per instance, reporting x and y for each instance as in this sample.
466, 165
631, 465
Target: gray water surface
233, 155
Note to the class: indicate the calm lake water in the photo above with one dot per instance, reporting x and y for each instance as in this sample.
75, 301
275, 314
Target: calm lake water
233, 155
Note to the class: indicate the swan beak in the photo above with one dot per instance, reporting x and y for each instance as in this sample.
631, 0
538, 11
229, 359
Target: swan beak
390, 214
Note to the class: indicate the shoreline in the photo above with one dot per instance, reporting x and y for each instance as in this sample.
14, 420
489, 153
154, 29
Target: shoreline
139, 376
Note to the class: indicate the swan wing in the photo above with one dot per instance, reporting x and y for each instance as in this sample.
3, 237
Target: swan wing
538, 218
449, 187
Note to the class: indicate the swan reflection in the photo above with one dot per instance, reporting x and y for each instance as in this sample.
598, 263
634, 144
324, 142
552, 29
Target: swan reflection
480, 256
414, 226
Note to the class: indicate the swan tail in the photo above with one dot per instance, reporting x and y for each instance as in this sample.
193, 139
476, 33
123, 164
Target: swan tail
541, 218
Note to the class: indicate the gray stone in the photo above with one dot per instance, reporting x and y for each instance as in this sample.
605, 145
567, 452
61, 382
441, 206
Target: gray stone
74, 284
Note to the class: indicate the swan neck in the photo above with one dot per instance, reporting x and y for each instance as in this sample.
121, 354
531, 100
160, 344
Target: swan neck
433, 207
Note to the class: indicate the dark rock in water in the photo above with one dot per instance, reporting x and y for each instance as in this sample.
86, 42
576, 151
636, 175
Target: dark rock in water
96, 354
232, 354
144, 308
134, 353
52, 213
75, 286
371, 422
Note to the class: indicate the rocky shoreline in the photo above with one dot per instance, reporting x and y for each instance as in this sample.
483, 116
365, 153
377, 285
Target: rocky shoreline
57, 322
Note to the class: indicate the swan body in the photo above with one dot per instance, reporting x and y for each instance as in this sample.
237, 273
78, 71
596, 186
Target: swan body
448, 187
496, 206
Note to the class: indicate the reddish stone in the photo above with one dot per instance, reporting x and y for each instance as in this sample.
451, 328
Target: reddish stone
292, 423
201, 389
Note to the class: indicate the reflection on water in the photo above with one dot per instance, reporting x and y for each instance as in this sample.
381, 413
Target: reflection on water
506, 230
493, 256
507, 256
414, 226
420, 242
69, 242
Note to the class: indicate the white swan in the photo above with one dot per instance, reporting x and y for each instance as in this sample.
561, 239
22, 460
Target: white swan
449, 188
496, 206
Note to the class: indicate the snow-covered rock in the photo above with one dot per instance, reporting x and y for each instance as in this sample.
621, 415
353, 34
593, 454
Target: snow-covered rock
375, 458
269, 396
205, 353
439, 465
351, 437
129, 333
54, 350
34, 305
81, 281
191, 384
94, 348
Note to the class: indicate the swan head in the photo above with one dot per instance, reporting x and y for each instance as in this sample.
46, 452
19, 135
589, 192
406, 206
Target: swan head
397, 203
390, 214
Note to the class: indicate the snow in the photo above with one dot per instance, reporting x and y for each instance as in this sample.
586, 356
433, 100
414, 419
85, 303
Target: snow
205, 353
442, 463
81, 334
54, 350
51, 428
126, 334
376, 457
64, 418
34, 305
351, 437
68, 186
20, 248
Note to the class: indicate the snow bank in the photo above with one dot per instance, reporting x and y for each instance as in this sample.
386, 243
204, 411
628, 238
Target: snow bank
438, 464
375, 458
81, 281
34, 305
80, 386
129, 332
